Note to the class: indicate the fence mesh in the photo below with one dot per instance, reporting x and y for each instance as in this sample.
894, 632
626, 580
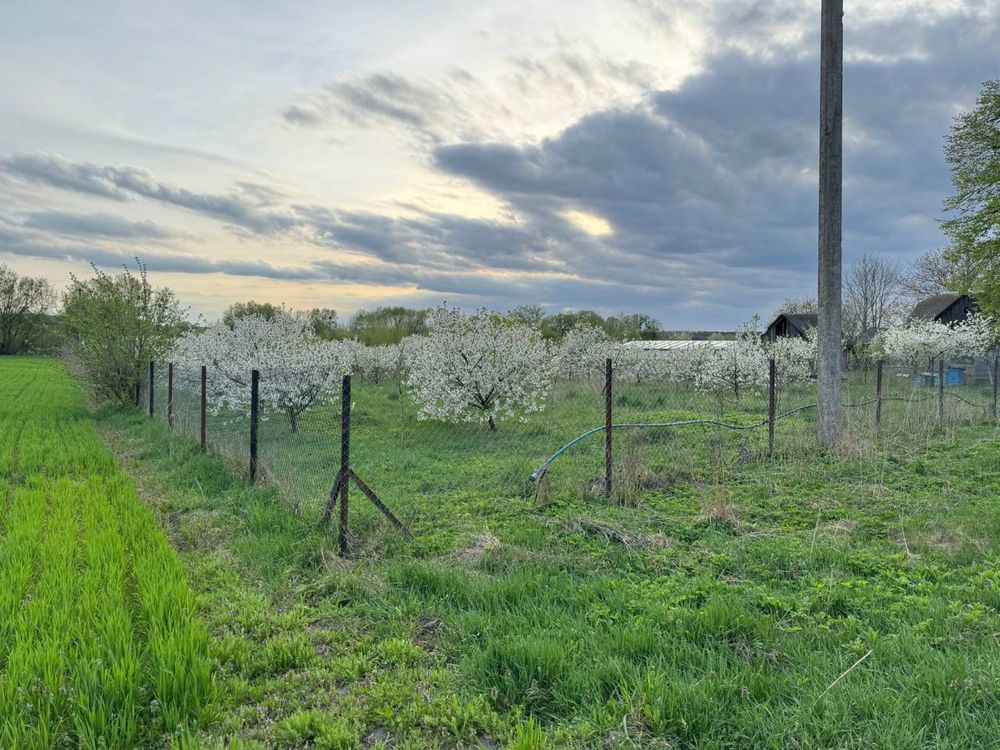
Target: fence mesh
665, 434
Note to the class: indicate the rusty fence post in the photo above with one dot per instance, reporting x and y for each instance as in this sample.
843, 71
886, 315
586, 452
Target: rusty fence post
608, 427
254, 417
201, 415
772, 404
345, 462
878, 395
941, 389
170, 395
152, 378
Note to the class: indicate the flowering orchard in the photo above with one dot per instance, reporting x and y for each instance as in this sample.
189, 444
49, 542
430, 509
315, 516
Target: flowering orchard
487, 368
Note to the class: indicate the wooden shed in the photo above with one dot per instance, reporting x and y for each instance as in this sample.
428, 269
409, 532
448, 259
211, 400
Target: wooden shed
944, 308
790, 325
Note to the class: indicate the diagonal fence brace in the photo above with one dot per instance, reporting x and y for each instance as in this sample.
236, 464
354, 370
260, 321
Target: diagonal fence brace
346, 475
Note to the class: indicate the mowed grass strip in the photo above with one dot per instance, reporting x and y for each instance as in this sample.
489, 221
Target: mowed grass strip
99, 642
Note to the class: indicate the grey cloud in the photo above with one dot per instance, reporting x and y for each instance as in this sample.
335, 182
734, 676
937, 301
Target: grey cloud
388, 96
668, 298
472, 285
94, 225
460, 106
59, 172
306, 115
382, 97
17, 241
433, 240
244, 209
576, 73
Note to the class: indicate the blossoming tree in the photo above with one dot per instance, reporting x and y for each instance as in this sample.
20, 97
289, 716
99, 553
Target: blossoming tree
297, 369
375, 363
478, 368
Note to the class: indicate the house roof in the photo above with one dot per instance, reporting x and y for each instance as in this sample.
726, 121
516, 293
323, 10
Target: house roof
930, 308
802, 321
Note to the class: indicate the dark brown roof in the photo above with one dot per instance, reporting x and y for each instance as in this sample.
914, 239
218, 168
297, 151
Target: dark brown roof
796, 324
930, 308
803, 321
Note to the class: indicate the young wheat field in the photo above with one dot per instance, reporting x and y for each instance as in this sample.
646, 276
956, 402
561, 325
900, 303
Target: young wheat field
99, 645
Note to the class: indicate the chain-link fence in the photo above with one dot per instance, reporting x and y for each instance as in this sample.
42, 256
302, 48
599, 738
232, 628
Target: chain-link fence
640, 439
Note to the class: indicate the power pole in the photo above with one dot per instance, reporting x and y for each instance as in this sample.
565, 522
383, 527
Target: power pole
831, 117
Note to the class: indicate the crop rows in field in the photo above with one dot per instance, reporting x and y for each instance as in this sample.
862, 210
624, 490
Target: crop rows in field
99, 642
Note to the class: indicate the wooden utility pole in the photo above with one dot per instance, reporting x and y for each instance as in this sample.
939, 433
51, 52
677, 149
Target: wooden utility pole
831, 116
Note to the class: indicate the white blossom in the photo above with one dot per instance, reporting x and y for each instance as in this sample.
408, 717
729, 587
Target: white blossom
377, 363
918, 342
478, 368
581, 353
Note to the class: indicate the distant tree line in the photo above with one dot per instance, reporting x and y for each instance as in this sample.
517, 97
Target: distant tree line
390, 325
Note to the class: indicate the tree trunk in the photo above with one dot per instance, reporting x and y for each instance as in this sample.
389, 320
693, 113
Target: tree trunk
293, 420
830, 223
493, 425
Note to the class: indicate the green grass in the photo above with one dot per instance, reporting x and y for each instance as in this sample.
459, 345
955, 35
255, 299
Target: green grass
715, 603
99, 646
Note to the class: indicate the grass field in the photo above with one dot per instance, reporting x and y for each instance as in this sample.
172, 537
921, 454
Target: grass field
99, 645
815, 600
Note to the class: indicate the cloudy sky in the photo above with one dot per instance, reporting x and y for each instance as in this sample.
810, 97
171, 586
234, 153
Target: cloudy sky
653, 156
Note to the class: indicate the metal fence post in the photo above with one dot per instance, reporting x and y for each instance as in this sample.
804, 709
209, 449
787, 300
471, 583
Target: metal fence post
254, 415
345, 461
204, 378
607, 425
878, 395
772, 404
170, 395
152, 376
996, 378
941, 388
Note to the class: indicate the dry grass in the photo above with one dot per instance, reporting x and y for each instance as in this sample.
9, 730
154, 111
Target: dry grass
483, 542
632, 475
718, 510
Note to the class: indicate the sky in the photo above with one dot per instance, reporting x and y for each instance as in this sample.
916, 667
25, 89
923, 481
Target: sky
653, 156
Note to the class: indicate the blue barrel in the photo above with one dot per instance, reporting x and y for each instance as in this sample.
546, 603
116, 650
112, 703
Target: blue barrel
955, 376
